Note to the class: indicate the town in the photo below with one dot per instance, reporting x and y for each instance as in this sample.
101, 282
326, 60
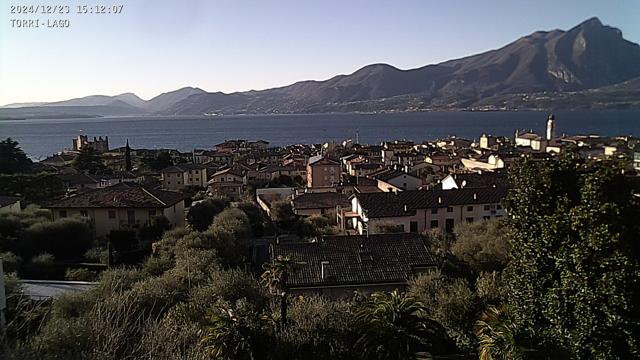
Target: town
340, 218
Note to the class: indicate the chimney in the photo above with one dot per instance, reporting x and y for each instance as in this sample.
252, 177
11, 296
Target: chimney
439, 200
475, 196
405, 207
324, 270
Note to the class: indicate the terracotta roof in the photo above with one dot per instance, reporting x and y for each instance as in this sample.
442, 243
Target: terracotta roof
357, 260
405, 203
321, 200
388, 174
122, 195
320, 160
484, 180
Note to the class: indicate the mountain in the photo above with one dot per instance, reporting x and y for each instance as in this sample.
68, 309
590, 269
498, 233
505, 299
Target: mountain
166, 100
590, 55
565, 69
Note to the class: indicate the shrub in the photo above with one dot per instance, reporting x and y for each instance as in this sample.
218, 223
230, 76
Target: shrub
201, 214
65, 238
80, 274
97, 254
10, 262
41, 267
482, 245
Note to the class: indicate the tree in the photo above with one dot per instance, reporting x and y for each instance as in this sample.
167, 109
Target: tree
67, 238
201, 214
127, 157
89, 161
12, 158
496, 334
394, 326
282, 213
482, 245
158, 162
574, 275
275, 277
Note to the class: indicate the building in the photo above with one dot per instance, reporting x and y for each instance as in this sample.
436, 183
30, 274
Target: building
179, 176
391, 179
9, 204
417, 211
323, 172
228, 182
474, 180
319, 203
121, 207
98, 144
336, 266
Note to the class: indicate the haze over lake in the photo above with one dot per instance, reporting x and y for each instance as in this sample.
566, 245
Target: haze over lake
42, 137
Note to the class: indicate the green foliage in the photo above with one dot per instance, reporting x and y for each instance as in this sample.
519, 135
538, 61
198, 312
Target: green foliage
67, 238
32, 187
395, 326
10, 262
575, 274
80, 274
385, 227
260, 223
97, 254
201, 214
282, 213
496, 334
12, 158
154, 228
482, 245
156, 163
228, 235
316, 225
41, 267
450, 302
89, 161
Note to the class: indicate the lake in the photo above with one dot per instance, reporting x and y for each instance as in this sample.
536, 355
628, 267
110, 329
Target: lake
42, 137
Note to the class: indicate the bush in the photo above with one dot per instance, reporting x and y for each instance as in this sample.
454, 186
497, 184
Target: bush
201, 214
41, 267
97, 254
65, 238
80, 274
482, 245
154, 229
10, 262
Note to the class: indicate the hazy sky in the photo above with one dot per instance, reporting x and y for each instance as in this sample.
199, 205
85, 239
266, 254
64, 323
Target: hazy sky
234, 45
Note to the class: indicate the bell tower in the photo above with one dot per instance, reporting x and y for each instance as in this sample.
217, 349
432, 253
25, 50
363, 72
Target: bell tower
551, 127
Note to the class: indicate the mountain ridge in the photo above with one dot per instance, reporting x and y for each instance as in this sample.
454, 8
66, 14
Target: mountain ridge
589, 55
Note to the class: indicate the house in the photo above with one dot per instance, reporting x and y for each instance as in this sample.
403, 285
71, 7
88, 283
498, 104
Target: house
120, 207
417, 211
78, 182
227, 182
319, 203
59, 160
474, 180
9, 204
323, 172
485, 161
391, 179
179, 176
336, 266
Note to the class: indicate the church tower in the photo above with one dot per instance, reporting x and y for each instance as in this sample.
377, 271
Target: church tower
551, 127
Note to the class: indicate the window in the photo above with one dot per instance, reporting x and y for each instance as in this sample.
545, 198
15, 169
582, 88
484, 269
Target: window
84, 213
434, 224
196, 171
449, 209
168, 182
486, 208
469, 219
63, 213
413, 227
499, 207
469, 208
131, 217
112, 214
178, 182
434, 211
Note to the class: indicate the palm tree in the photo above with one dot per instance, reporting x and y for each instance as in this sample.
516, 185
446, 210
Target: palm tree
275, 276
226, 337
394, 326
496, 335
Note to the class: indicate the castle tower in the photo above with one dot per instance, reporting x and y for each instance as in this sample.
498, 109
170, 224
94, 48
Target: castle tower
551, 127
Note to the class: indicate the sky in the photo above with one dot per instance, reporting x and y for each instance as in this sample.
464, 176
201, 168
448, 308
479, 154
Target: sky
154, 46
